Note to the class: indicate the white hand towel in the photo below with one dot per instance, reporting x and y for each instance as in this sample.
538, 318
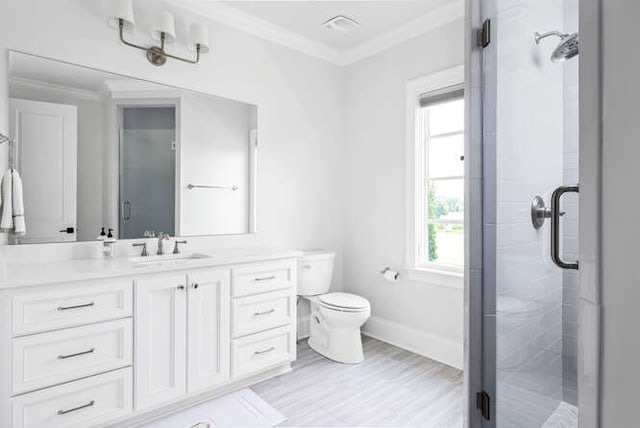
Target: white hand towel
19, 226
6, 220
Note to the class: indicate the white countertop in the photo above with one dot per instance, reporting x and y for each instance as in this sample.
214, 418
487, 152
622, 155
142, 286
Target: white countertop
30, 274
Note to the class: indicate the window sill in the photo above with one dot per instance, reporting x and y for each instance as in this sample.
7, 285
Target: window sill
440, 278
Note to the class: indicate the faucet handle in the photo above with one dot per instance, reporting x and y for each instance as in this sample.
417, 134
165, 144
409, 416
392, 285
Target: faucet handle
176, 250
144, 248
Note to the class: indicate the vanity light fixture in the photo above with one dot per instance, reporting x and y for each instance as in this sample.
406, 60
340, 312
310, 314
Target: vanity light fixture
121, 17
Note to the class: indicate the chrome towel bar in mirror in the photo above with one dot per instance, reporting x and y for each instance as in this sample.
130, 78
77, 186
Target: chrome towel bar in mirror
202, 186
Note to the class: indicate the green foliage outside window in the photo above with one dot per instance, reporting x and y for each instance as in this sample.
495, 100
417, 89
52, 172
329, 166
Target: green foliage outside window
437, 208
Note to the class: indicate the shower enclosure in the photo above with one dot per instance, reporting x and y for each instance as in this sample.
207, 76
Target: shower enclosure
530, 218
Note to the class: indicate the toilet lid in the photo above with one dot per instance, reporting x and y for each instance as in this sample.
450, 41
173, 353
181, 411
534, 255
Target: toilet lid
344, 300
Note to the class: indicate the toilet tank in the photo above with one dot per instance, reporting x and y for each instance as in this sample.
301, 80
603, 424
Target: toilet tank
315, 272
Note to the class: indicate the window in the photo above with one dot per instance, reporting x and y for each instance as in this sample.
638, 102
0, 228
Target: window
435, 226
440, 197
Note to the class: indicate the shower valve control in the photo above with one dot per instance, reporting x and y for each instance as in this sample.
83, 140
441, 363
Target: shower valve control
540, 212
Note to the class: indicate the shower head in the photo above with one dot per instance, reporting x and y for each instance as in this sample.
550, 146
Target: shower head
567, 49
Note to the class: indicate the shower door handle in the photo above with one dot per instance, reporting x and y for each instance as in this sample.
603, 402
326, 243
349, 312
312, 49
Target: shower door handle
555, 225
126, 210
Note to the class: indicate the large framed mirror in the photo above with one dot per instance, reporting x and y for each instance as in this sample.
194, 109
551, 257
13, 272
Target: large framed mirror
98, 150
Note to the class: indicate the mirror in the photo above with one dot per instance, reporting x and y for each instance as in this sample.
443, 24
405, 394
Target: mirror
96, 149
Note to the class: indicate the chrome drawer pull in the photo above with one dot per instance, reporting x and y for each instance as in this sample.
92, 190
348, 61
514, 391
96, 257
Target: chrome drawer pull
270, 311
264, 351
77, 354
265, 279
89, 404
66, 308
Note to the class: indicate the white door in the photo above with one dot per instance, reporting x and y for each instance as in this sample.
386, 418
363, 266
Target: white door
208, 328
46, 146
160, 335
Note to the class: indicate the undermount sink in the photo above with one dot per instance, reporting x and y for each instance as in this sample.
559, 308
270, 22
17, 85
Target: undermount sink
167, 259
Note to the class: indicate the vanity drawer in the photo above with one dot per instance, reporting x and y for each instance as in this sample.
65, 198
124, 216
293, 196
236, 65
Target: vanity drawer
47, 359
259, 351
85, 403
262, 312
263, 277
76, 304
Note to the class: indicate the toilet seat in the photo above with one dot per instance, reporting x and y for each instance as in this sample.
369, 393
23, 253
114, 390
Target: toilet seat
344, 302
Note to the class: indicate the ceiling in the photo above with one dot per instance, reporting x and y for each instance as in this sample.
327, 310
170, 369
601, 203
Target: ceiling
306, 17
297, 24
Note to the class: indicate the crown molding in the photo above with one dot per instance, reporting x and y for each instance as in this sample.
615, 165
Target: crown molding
421, 25
266, 30
59, 89
261, 28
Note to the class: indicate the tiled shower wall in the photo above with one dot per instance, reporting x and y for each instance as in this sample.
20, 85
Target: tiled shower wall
570, 219
529, 161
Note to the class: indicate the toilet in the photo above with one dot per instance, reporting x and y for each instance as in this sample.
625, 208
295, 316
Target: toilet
336, 318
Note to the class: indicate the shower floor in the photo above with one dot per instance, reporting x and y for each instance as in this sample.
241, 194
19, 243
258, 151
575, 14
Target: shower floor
565, 416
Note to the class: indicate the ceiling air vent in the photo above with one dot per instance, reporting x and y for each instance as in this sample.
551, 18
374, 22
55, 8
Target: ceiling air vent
341, 23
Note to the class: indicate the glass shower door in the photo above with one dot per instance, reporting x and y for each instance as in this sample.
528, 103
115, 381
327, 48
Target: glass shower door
530, 150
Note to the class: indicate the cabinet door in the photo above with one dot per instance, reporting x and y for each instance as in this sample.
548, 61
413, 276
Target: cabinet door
160, 339
208, 328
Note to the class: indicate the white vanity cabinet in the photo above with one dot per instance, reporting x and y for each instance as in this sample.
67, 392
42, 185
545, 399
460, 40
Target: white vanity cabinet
182, 339
264, 314
123, 350
66, 354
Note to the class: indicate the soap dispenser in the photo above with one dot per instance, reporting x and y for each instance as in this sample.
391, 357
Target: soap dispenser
102, 236
109, 244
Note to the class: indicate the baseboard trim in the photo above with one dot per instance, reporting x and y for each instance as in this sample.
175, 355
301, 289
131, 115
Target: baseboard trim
437, 348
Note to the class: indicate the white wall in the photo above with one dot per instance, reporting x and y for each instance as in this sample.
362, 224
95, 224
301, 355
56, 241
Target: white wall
620, 233
423, 317
300, 99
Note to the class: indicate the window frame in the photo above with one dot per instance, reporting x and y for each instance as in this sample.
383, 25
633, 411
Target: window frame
432, 272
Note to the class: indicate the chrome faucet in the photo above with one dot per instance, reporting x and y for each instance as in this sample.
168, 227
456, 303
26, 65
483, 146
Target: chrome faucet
161, 237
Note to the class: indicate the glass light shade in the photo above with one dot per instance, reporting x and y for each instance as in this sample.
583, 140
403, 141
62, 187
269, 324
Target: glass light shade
120, 9
164, 23
198, 35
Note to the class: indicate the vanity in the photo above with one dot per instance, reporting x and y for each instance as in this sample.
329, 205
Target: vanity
106, 342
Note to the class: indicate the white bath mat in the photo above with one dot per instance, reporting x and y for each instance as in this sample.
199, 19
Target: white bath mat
242, 408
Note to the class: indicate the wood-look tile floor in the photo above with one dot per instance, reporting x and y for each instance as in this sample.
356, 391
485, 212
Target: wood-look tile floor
391, 388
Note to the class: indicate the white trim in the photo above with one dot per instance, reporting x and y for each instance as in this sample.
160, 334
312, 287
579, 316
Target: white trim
68, 91
453, 278
261, 28
442, 79
441, 349
435, 19
230, 16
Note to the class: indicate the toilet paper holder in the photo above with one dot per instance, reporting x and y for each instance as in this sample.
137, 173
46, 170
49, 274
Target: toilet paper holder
394, 275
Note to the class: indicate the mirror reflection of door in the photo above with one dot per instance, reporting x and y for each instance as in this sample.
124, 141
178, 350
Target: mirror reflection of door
46, 144
147, 170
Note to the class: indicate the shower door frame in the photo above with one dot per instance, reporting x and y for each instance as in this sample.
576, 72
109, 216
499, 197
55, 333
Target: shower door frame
479, 247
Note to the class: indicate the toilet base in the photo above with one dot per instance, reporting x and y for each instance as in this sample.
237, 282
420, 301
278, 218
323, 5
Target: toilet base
342, 346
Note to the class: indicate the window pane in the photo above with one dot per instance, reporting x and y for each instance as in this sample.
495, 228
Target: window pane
444, 156
446, 117
445, 200
445, 244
